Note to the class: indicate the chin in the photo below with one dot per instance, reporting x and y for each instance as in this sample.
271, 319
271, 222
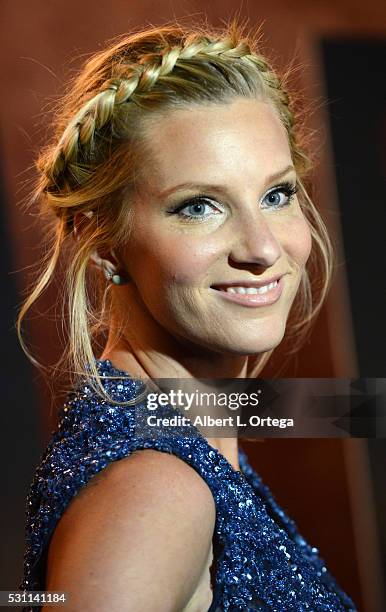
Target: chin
253, 349
254, 340
243, 344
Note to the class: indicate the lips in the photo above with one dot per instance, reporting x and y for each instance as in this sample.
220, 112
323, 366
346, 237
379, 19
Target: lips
250, 290
251, 294
247, 283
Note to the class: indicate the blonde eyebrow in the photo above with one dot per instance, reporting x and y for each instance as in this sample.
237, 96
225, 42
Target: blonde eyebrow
218, 188
279, 175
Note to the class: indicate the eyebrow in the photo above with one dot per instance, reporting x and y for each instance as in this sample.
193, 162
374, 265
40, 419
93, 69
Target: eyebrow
210, 187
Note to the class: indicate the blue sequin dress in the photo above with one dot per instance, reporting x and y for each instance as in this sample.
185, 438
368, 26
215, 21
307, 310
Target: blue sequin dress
263, 562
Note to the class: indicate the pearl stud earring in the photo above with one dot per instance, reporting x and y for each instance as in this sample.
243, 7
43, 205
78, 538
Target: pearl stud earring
116, 279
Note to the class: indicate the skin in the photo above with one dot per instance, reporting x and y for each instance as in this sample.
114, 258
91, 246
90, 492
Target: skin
173, 324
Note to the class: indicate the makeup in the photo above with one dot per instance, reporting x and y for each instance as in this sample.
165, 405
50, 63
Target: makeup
253, 297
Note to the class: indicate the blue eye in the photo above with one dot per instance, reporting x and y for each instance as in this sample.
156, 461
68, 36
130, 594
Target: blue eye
197, 208
280, 196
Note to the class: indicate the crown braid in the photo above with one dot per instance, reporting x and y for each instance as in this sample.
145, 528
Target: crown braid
152, 67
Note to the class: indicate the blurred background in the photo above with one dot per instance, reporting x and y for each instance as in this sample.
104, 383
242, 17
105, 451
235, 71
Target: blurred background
334, 489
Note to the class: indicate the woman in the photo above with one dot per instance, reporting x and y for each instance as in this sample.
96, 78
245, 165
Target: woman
176, 176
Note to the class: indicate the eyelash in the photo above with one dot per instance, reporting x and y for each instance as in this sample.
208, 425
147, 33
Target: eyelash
287, 188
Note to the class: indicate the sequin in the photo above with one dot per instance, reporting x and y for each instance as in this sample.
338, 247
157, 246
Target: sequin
284, 573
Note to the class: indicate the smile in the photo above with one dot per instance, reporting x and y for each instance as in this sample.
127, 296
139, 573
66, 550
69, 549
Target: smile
250, 290
251, 296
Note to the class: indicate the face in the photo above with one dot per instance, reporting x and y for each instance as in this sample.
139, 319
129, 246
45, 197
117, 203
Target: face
215, 221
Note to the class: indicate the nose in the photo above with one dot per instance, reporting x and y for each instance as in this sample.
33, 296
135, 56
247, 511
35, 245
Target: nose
255, 242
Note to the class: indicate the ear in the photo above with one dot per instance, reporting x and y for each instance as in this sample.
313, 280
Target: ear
105, 260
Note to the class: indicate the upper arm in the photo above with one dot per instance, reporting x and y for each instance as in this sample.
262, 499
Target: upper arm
136, 538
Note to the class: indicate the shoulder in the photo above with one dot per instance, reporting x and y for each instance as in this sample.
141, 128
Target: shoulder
144, 526
149, 475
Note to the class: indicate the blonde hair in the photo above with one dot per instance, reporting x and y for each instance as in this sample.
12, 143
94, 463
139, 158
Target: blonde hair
94, 161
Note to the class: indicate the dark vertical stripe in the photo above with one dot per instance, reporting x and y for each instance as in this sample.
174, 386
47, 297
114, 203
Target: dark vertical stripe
21, 441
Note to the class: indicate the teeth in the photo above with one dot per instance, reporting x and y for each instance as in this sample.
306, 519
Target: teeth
250, 290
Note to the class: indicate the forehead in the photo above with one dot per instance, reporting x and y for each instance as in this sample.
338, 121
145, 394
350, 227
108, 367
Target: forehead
240, 139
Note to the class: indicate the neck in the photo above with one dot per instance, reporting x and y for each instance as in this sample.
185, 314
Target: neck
158, 363
145, 350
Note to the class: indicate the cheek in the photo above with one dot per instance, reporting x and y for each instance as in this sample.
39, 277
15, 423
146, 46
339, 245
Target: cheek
297, 240
177, 260
190, 263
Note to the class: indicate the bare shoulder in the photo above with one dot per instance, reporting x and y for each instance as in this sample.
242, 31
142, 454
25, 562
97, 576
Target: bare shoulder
137, 537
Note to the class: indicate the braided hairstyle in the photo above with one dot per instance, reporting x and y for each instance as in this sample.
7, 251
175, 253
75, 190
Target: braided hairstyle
95, 159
